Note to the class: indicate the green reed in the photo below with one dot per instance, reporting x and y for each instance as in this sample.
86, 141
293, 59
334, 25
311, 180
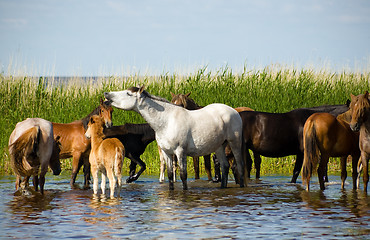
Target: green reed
272, 89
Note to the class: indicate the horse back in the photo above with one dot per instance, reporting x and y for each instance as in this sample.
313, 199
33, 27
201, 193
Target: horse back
109, 150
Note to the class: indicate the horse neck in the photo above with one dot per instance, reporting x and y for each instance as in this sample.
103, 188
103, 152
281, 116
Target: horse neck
191, 105
155, 112
96, 138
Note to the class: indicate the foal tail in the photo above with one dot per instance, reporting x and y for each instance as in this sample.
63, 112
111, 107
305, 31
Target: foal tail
118, 160
311, 151
23, 152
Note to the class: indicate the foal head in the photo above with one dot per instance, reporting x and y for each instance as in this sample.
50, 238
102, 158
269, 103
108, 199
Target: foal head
105, 112
184, 101
95, 127
360, 108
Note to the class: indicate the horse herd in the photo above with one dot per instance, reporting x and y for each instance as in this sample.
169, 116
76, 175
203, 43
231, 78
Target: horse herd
182, 128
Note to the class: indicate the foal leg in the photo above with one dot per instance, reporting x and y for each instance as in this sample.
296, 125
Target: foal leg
94, 172
112, 182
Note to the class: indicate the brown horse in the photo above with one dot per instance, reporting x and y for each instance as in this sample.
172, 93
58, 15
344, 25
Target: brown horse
360, 108
185, 101
75, 144
31, 148
106, 155
326, 136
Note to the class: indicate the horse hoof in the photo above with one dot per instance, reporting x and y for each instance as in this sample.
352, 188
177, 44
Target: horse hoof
130, 180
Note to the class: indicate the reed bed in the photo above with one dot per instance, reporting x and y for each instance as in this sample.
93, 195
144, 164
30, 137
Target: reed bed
272, 89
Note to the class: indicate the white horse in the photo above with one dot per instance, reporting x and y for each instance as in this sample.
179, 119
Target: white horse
183, 133
31, 147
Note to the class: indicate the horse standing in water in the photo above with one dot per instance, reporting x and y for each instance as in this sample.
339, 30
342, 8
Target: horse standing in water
360, 108
326, 136
31, 148
280, 134
106, 155
184, 133
75, 144
185, 101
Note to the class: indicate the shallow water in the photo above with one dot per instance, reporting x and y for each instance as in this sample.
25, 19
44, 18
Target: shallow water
268, 209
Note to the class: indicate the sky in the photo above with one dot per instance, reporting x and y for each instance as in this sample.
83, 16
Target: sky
120, 37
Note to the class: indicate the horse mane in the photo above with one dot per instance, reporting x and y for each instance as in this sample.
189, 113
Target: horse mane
23, 159
189, 103
146, 94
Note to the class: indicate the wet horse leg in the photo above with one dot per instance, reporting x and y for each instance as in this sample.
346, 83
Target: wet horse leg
170, 173
257, 163
181, 158
321, 171
216, 164
365, 165
86, 170
221, 156
76, 165
207, 166
297, 167
135, 159
196, 167
343, 166
36, 182
355, 173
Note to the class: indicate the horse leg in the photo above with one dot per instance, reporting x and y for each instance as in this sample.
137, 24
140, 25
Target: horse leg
169, 163
76, 165
343, 174
119, 178
36, 182
220, 153
216, 164
134, 161
257, 163
249, 163
94, 172
86, 170
44, 169
297, 167
103, 181
196, 167
112, 182
365, 165
181, 158
321, 170
18, 181
163, 165
207, 166
355, 173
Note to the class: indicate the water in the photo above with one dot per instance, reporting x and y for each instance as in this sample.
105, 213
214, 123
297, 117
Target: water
268, 209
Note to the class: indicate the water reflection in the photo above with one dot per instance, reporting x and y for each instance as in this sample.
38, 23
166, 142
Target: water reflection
271, 208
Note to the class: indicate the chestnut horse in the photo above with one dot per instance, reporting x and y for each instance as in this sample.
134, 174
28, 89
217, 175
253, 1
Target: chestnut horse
31, 148
326, 136
185, 101
360, 108
106, 155
75, 144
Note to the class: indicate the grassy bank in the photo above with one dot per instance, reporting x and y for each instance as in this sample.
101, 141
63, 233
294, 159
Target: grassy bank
273, 89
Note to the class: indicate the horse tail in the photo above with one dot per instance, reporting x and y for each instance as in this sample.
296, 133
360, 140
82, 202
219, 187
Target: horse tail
118, 159
311, 150
23, 152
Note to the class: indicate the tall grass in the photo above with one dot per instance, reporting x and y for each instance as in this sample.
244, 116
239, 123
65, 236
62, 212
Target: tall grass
272, 89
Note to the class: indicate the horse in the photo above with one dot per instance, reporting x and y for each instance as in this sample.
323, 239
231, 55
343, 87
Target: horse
106, 155
184, 133
280, 134
360, 122
135, 138
185, 101
32, 149
75, 144
326, 136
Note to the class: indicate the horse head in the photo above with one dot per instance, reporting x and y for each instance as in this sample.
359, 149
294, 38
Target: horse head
184, 101
127, 99
95, 125
360, 109
105, 112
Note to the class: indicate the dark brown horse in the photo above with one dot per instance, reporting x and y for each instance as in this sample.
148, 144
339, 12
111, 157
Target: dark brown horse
75, 144
360, 109
135, 138
280, 134
325, 136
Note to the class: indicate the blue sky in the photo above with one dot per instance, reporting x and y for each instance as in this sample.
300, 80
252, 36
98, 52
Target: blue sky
113, 37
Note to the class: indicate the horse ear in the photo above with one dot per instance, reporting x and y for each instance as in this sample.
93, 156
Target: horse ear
91, 120
172, 94
366, 95
141, 89
101, 101
187, 95
352, 97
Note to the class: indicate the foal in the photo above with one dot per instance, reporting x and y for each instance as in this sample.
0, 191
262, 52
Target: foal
106, 155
